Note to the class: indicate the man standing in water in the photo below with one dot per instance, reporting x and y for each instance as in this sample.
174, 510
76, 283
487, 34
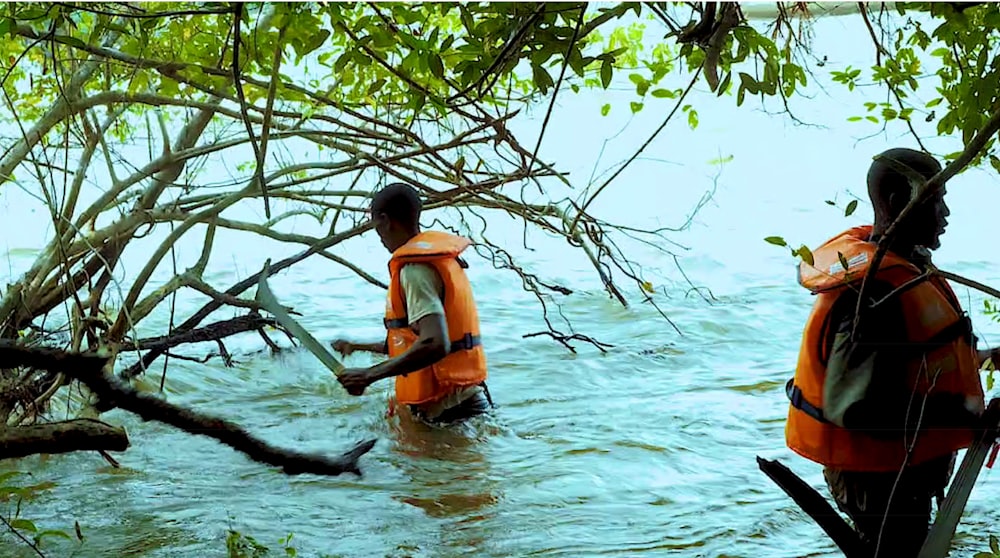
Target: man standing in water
433, 343
905, 394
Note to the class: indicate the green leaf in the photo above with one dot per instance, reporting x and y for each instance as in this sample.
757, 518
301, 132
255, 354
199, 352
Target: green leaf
606, 74
850, 208
829, 202
637, 79
994, 544
843, 261
71, 41
854, 119
6, 26
315, 41
636, 107
542, 79
436, 65
23, 525
776, 240
724, 86
984, 555
574, 87
342, 61
806, 254
52, 533
662, 93
721, 160
693, 119
375, 86
32, 13
605, 109
995, 162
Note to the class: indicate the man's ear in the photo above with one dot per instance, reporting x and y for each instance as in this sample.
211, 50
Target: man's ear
897, 202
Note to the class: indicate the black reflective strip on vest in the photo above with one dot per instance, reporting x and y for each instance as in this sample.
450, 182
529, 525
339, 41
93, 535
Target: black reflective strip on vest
398, 323
799, 402
466, 343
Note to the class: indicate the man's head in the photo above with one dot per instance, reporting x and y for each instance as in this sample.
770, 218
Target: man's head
395, 213
890, 189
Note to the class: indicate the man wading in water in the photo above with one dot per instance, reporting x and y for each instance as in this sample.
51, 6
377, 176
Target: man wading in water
433, 342
906, 393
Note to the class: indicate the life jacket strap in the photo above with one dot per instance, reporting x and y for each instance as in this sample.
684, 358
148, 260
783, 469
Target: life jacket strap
466, 343
799, 402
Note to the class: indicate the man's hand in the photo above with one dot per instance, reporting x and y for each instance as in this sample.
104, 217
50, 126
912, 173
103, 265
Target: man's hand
355, 380
343, 347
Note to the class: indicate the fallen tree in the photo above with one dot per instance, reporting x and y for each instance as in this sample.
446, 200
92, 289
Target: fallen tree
84, 434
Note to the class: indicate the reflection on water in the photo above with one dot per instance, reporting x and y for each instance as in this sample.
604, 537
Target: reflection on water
446, 467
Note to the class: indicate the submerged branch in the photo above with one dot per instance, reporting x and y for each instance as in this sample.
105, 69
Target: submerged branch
211, 332
88, 368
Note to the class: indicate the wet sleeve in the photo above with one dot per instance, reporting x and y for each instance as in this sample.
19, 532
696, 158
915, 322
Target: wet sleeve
422, 289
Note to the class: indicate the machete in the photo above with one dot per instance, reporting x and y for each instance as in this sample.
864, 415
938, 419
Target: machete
939, 537
268, 302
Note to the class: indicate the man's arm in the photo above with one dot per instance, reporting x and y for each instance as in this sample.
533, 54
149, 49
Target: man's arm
346, 347
432, 346
422, 288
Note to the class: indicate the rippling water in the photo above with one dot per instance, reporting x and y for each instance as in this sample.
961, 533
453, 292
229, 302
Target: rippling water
648, 449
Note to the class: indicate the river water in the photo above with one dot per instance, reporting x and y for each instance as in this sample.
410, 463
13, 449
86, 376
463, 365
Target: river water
646, 450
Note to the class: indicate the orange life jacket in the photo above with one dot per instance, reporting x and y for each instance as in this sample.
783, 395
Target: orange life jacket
466, 364
943, 359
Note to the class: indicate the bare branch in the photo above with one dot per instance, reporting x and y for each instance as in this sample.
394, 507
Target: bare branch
89, 369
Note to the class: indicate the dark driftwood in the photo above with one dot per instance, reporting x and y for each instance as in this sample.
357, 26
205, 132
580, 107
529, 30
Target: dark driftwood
815, 506
61, 437
211, 332
88, 368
